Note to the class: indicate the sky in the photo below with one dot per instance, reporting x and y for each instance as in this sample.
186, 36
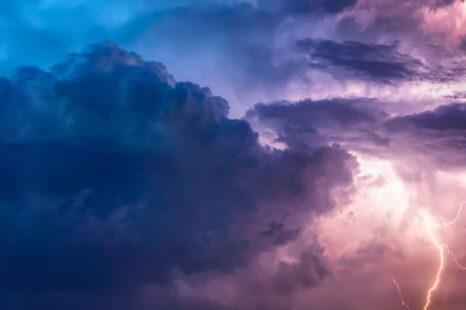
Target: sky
233, 154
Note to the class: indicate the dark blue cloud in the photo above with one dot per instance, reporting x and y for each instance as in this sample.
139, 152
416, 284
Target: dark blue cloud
380, 63
448, 118
308, 124
114, 175
437, 134
443, 3
310, 7
362, 124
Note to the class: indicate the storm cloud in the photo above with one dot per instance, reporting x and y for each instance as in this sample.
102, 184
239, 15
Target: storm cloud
311, 123
314, 8
300, 178
352, 59
115, 175
363, 124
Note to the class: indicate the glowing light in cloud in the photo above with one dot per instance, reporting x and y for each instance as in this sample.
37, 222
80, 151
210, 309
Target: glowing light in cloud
388, 207
381, 200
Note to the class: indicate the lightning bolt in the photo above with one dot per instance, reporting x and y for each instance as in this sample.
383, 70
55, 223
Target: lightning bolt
453, 221
458, 214
441, 248
441, 265
454, 259
403, 303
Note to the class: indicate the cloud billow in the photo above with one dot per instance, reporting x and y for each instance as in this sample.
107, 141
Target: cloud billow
438, 134
312, 123
362, 124
115, 175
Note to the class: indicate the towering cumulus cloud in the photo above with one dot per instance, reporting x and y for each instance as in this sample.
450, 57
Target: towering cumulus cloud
118, 179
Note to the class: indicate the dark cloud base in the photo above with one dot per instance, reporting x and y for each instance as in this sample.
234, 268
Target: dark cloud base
361, 124
380, 63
